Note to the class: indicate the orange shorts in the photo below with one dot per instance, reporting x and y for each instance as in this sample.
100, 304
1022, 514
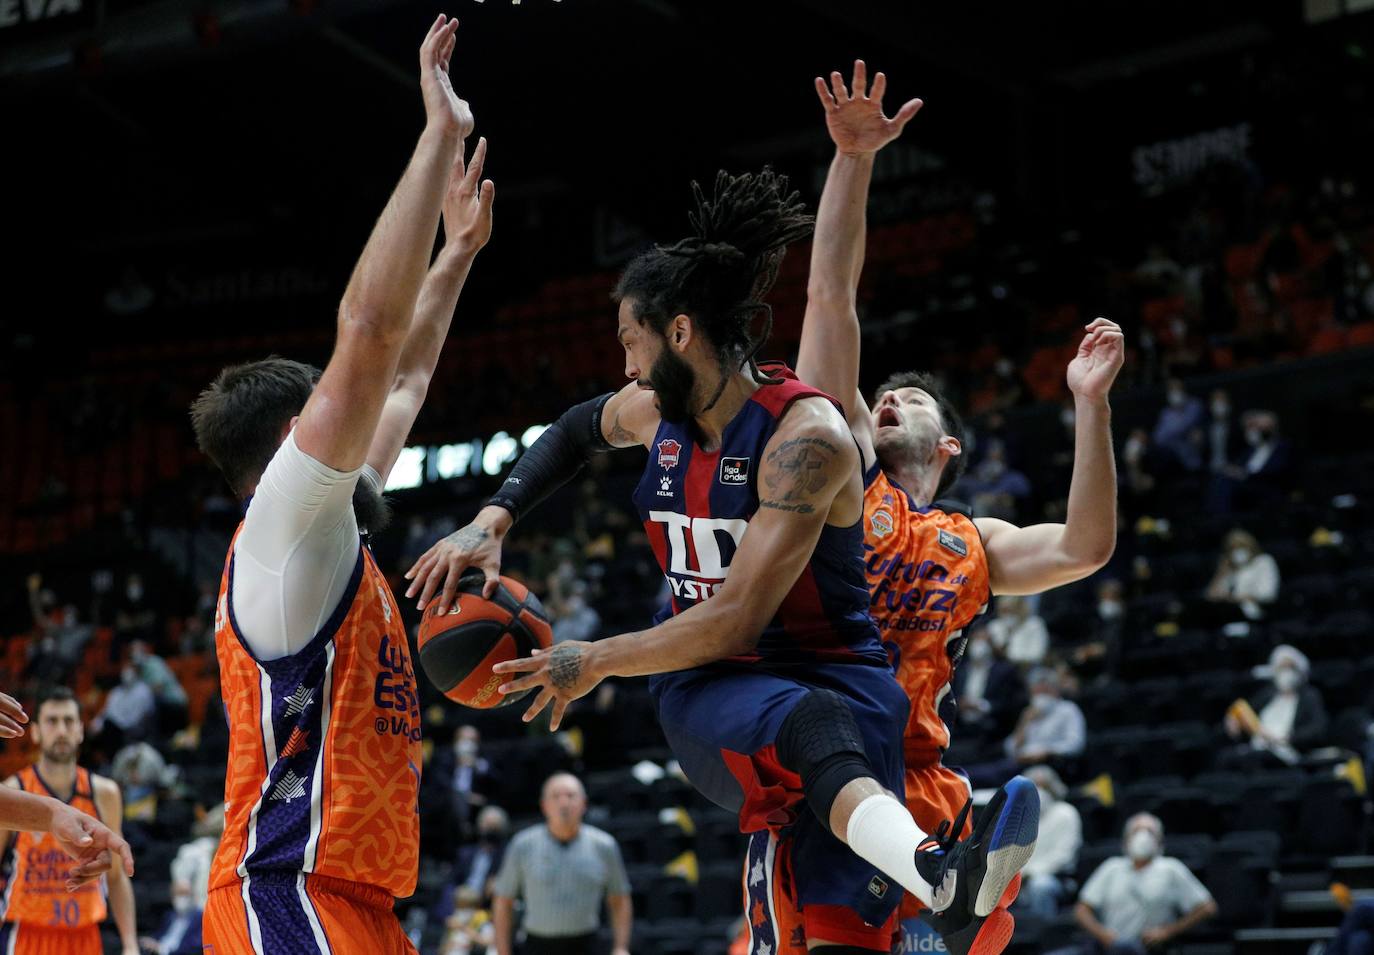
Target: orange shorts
297, 914
934, 793
26, 938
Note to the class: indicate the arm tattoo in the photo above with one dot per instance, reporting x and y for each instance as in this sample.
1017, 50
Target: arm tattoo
798, 471
468, 538
619, 436
565, 666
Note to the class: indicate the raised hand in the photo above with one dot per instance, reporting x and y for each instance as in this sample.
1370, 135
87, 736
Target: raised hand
855, 119
1100, 356
443, 109
467, 204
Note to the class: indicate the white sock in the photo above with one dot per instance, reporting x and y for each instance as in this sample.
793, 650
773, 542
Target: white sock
882, 832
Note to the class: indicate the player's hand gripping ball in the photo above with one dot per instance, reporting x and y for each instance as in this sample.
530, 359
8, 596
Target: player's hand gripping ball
459, 648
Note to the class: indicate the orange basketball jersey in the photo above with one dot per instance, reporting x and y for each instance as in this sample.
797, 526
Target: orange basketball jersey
36, 893
324, 748
927, 580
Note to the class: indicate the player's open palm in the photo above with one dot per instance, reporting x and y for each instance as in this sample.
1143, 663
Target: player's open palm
93, 845
1100, 356
561, 675
443, 108
855, 116
467, 204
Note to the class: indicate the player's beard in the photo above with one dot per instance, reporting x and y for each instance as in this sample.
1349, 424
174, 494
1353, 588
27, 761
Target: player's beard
60, 753
371, 508
906, 449
673, 381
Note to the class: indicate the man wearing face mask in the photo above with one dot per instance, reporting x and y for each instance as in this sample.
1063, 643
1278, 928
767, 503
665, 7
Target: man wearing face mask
1051, 729
180, 932
1285, 719
1141, 900
1056, 852
128, 714
990, 690
478, 862
471, 775
1245, 582
1103, 648
1260, 474
1176, 435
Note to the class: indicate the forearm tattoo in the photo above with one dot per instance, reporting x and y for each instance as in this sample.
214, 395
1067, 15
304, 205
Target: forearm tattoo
794, 472
565, 667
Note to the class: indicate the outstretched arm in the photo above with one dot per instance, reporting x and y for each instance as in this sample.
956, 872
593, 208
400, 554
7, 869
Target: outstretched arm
623, 420
806, 465
830, 342
467, 228
1028, 560
338, 423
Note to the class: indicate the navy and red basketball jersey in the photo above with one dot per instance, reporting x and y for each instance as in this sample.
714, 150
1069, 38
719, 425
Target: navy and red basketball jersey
696, 506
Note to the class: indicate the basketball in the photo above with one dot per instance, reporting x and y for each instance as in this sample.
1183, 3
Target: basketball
458, 649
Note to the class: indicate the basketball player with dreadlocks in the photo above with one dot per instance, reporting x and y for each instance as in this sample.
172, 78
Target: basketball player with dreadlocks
772, 685
931, 567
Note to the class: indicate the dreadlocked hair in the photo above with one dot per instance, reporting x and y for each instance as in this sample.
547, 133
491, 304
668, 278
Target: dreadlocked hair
720, 274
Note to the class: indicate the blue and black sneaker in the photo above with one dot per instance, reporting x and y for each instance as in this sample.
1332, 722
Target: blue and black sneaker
971, 876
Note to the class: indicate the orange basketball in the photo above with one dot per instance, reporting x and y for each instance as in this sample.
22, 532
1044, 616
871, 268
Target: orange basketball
459, 648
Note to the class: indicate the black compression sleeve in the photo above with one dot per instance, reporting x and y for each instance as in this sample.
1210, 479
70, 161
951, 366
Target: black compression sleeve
555, 458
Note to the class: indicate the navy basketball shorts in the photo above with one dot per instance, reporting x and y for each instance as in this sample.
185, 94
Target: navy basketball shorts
722, 722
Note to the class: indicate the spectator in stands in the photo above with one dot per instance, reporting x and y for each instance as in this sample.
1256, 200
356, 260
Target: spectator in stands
62, 635
129, 714
468, 930
994, 488
1019, 632
1137, 483
135, 615
478, 862
562, 869
1104, 646
576, 619
1285, 719
139, 769
1260, 476
1051, 730
1056, 848
197, 855
1221, 432
470, 777
1356, 935
167, 689
1142, 899
180, 932
1177, 434
1246, 580
990, 690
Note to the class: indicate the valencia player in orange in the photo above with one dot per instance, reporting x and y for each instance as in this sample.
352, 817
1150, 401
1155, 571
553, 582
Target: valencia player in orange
321, 814
52, 905
931, 566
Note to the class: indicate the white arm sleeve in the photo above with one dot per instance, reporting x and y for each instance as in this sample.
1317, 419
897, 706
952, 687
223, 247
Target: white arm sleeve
296, 552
